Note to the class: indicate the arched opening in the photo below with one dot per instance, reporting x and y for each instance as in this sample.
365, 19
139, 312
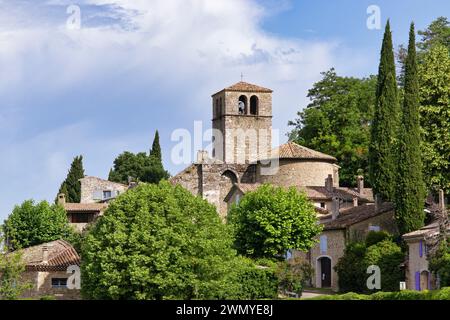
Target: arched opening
220, 106
424, 280
242, 105
323, 275
217, 110
231, 176
254, 105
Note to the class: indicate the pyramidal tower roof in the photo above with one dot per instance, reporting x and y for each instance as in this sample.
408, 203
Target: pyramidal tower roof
246, 87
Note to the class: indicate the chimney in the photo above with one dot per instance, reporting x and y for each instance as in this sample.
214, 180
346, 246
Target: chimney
45, 254
335, 208
355, 202
202, 156
441, 200
329, 183
61, 199
360, 183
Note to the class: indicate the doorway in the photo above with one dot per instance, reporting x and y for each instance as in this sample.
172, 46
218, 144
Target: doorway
325, 272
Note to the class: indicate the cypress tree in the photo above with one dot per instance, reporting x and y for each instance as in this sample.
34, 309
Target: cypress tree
410, 191
71, 187
155, 152
382, 150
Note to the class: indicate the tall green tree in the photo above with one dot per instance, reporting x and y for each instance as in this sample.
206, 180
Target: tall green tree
12, 285
155, 152
71, 187
382, 151
410, 188
337, 122
434, 82
271, 220
140, 167
32, 224
438, 32
159, 242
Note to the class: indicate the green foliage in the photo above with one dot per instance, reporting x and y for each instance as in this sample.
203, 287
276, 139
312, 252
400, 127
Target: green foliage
410, 188
271, 220
352, 267
438, 32
374, 237
440, 263
382, 151
11, 269
292, 276
443, 294
337, 120
159, 242
434, 81
140, 167
31, 224
388, 256
71, 187
254, 282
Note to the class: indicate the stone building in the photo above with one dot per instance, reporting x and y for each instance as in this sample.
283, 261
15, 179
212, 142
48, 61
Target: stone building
48, 270
96, 193
243, 158
420, 242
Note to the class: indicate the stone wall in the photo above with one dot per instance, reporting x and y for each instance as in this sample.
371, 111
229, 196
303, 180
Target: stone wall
301, 173
385, 221
92, 189
334, 250
42, 286
416, 263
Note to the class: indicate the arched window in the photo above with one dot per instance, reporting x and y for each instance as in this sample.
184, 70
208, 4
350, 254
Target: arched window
230, 175
254, 105
242, 105
217, 107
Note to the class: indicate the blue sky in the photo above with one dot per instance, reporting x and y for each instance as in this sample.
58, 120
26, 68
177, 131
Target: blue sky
135, 66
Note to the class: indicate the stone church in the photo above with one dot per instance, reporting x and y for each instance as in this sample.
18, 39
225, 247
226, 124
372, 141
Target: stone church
242, 158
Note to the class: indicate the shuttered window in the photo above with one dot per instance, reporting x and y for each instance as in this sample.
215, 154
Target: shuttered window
323, 244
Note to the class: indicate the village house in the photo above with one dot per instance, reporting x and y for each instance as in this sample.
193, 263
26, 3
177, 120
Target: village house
46, 270
96, 193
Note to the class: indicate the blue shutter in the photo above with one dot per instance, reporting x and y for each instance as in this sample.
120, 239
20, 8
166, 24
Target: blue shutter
421, 248
323, 244
418, 281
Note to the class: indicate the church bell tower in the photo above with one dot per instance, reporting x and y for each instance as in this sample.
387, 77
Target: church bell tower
242, 121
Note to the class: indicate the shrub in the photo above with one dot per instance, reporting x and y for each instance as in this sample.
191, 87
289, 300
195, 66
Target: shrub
374, 237
351, 268
388, 256
255, 282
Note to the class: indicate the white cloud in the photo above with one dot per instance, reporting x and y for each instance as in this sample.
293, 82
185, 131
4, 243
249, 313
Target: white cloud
190, 49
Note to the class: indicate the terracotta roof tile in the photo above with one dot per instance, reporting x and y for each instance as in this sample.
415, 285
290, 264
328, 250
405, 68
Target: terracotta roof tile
354, 215
246, 87
291, 150
85, 207
60, 255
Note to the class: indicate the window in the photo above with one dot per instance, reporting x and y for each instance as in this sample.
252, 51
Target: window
107, 194
81, 217
59, 283
322, 205
374, 228
254, 101
323, 244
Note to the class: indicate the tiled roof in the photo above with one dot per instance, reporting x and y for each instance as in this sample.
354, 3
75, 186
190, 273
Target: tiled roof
425, 232
60, 255
291, 150
246, 87
315, 193
85, 207
354, 215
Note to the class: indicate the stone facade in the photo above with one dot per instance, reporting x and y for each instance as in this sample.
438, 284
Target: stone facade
42, 285
293, 172
96, 190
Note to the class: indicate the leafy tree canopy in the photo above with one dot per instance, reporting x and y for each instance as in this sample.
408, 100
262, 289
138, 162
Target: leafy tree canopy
337, 122
438, 32
32, 224
159, 242
270, 221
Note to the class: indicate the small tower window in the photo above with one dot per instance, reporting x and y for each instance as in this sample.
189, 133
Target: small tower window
242, 106
217, 108
254, 105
